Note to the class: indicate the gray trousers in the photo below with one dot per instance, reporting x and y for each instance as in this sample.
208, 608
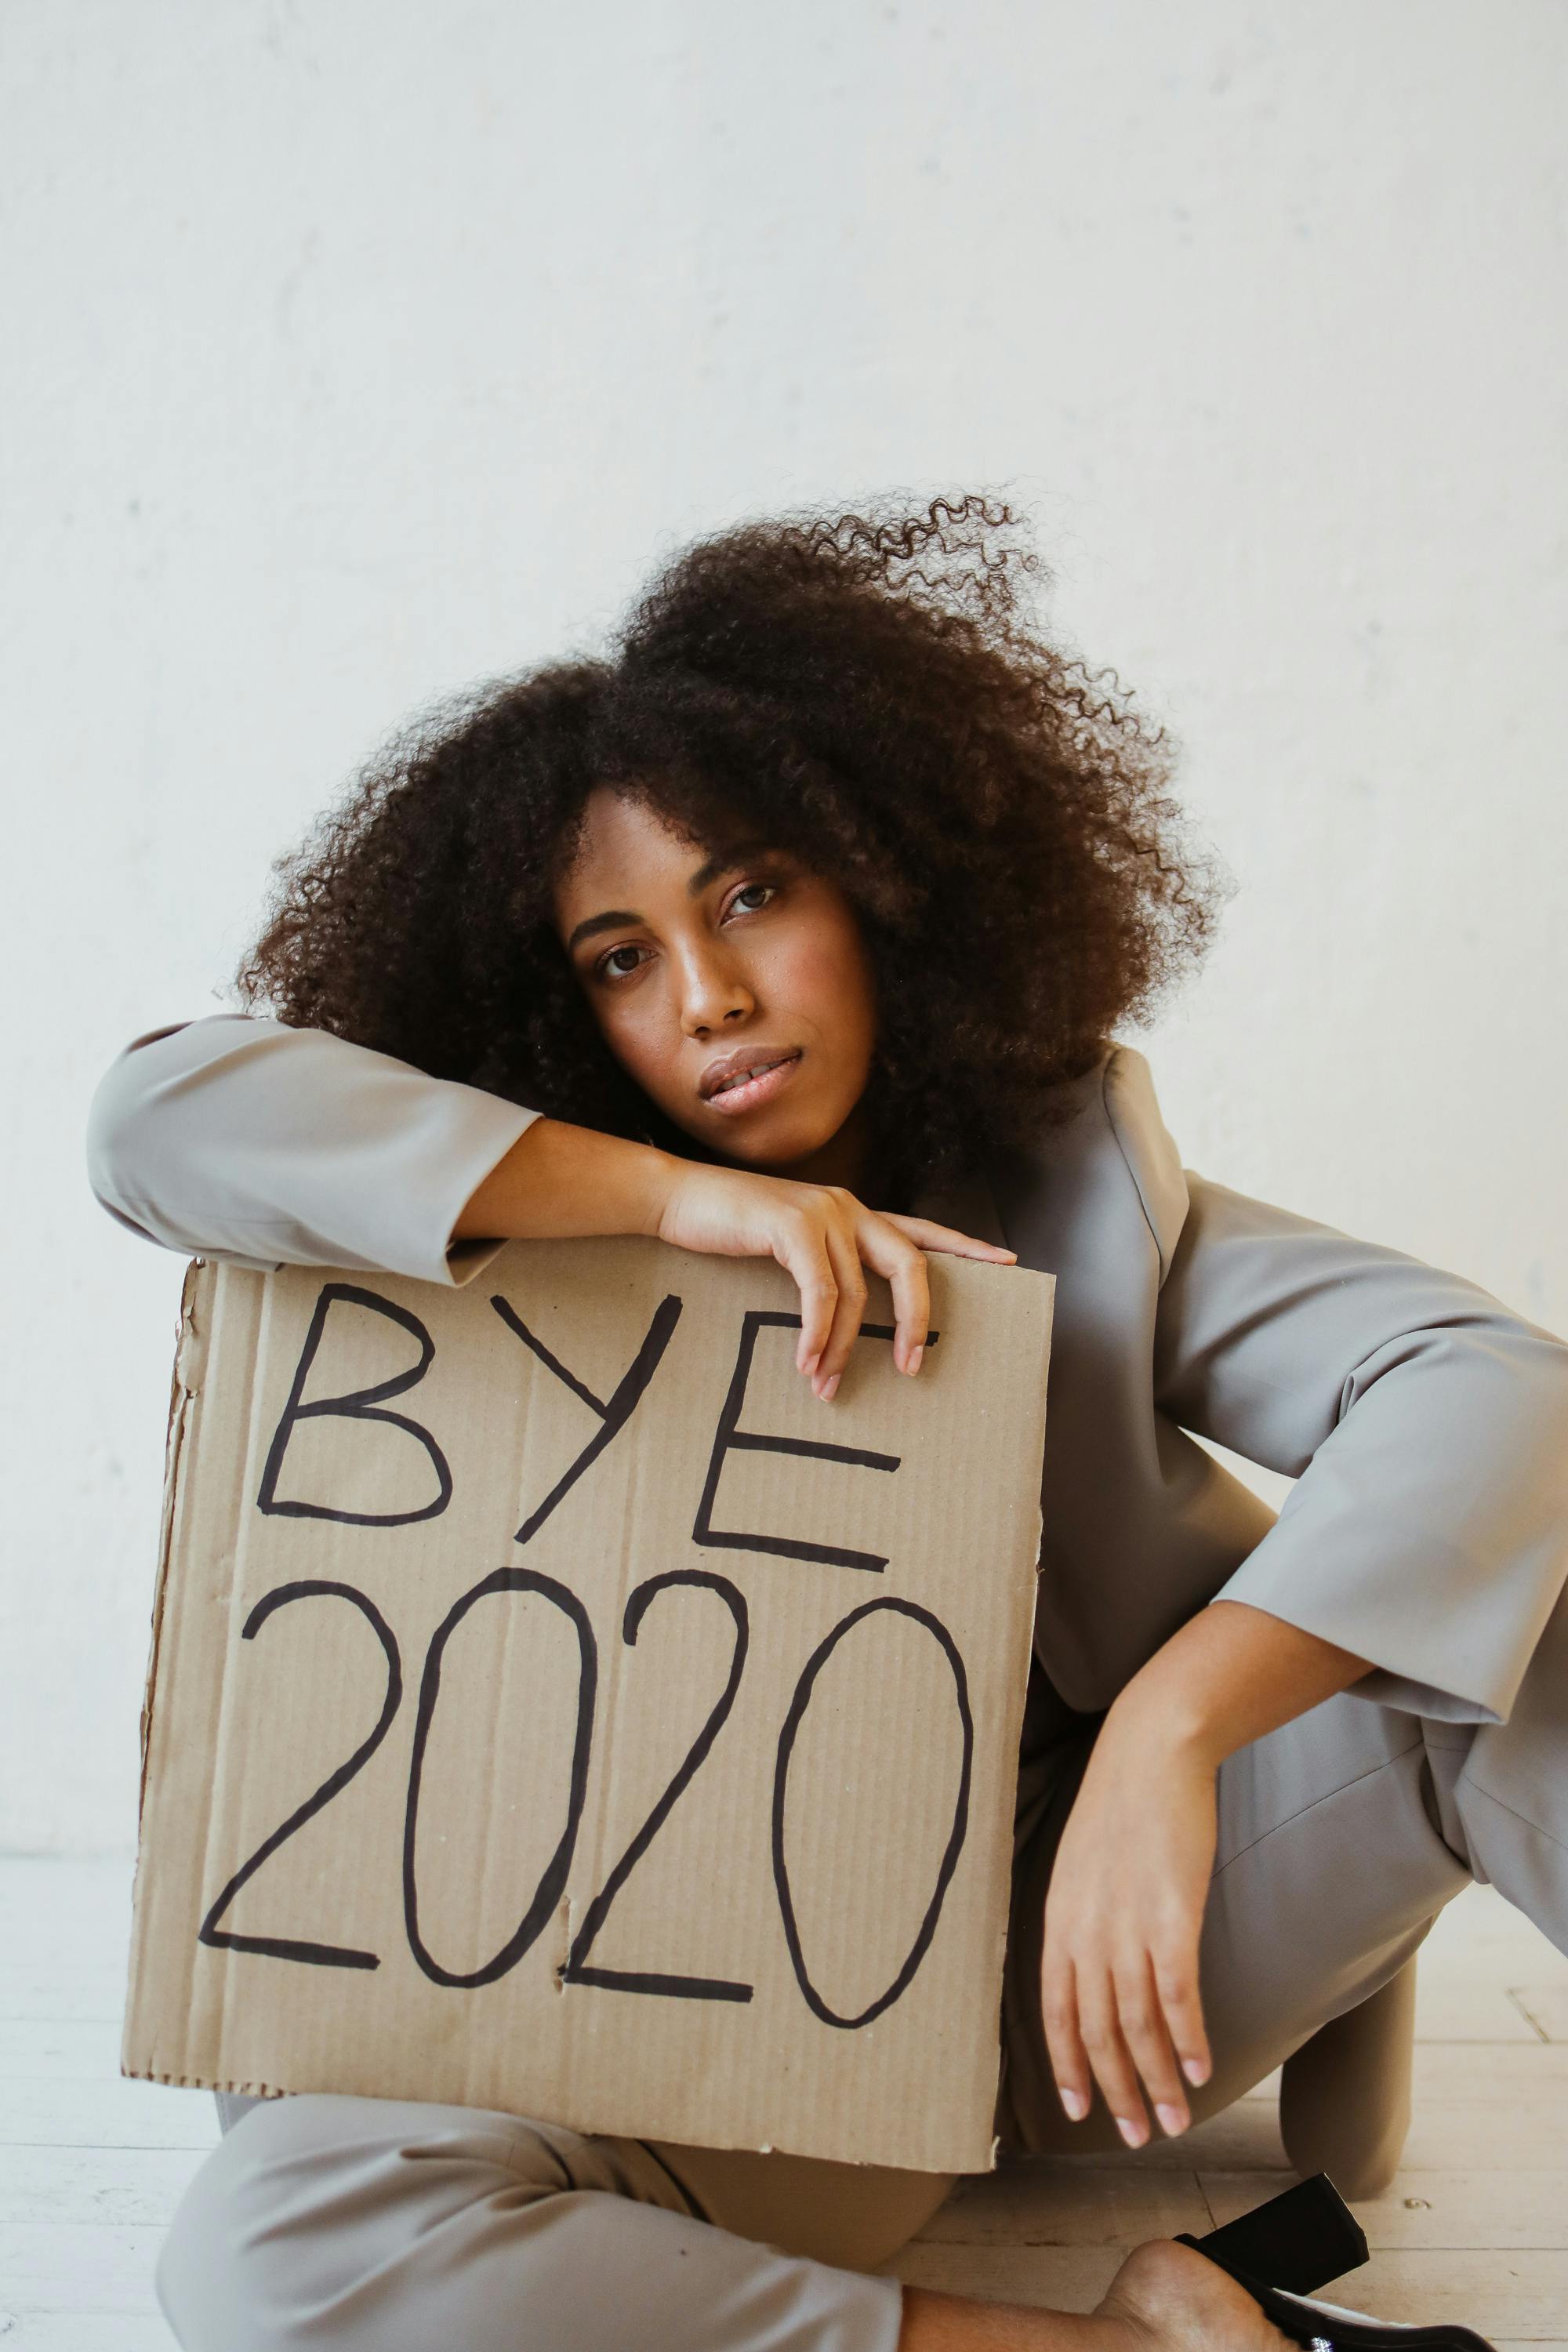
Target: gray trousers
370, 2225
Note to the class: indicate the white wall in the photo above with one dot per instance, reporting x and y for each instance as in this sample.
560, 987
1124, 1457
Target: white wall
359, 350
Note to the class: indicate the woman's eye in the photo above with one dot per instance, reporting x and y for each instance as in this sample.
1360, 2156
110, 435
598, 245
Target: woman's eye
750, 896
610, 970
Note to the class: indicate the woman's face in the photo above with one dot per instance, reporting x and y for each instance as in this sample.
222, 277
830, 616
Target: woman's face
733, 986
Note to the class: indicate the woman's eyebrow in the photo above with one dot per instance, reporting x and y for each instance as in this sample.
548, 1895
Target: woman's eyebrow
614, 917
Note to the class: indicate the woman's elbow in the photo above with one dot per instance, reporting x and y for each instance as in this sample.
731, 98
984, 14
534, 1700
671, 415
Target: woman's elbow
117, 1128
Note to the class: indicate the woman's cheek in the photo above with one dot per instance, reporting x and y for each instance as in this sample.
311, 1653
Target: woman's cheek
639, 1046
820, 976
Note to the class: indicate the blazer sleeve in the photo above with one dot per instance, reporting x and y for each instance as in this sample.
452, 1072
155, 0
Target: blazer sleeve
1425, 1425
243, 1139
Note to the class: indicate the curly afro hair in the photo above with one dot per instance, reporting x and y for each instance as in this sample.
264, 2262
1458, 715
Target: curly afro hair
864, 691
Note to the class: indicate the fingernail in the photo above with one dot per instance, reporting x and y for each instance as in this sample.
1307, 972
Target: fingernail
915, 1355
826, 1392
811, 1364
1134, 2134
1075, 2104
1172, 2119
1195, 2070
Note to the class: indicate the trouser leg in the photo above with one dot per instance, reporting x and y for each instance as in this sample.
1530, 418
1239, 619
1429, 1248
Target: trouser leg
856, 2214
1498, 1794
1345, 2095
372, 2225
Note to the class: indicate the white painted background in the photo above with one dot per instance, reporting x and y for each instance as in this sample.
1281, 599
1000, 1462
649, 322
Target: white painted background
356, 351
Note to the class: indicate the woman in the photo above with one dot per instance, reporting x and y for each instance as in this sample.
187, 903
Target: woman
798, 929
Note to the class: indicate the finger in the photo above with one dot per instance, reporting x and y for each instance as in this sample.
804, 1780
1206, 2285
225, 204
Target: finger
848, 1308
949, 1240
1108, 2053
1070, 2059
888, 1253
803, 1254
1142, 2023
1177, 1982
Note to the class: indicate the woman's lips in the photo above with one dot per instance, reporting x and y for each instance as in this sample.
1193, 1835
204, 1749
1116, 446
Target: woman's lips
749, 1092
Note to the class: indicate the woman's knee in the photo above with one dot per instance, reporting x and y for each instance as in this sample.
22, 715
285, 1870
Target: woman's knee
309, 2200
204, 2277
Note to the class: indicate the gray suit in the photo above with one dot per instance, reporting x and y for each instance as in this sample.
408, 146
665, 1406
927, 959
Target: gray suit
1426, 1426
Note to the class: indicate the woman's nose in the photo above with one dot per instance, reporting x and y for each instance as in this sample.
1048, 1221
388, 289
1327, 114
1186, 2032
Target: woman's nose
714, 995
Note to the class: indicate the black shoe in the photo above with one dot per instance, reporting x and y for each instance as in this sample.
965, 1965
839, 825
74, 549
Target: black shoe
1298, 2241
1329, 2327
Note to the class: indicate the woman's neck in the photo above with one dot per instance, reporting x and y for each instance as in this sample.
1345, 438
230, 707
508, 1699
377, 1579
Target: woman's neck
848, 1158
833, 1164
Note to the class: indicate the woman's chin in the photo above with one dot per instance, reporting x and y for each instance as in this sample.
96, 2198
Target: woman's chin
768, 1156
772, 1147
788, 1138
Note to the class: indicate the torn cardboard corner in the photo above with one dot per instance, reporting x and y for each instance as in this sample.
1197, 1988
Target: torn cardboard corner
554, 1708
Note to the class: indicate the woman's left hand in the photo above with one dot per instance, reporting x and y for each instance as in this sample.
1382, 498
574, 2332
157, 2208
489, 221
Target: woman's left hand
1123, 1914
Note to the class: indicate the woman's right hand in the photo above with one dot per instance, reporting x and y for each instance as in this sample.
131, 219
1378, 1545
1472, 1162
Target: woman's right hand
825, 1238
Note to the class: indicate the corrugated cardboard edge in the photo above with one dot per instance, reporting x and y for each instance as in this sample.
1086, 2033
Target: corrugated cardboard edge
183, 1387
1047, 1338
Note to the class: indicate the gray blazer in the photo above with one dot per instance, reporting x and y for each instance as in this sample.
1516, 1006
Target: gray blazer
1425, 1423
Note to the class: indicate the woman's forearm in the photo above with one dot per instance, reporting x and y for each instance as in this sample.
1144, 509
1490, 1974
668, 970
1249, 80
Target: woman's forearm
1227, 1676
559, 1181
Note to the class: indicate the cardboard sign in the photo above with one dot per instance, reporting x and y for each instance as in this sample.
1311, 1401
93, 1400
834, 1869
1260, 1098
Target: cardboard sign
555, 1709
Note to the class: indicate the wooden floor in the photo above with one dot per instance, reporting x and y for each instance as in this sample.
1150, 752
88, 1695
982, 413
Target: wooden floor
1475, 2228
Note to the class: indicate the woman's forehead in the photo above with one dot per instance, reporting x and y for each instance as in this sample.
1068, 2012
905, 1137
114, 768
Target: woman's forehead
630, 829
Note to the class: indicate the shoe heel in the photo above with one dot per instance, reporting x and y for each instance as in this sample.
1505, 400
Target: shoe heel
1298, 2240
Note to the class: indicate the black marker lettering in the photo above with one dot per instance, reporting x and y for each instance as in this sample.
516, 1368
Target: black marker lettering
552, 1880
360, 1404
729, 1438
614, 1415
926, 1928
574, 1969
288, 1947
